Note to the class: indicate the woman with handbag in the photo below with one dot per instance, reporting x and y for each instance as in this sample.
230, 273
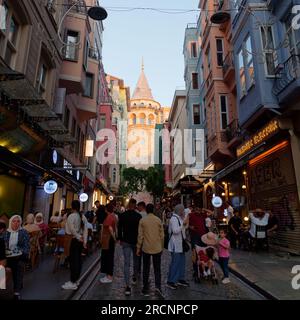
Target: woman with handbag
178, 246
108, 241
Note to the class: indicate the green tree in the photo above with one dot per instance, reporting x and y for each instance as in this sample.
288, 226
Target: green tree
155, 182
133, 181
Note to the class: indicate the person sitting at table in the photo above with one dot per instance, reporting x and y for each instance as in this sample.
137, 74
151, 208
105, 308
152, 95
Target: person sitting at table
56, 218
17, 242
30, 226
39, 221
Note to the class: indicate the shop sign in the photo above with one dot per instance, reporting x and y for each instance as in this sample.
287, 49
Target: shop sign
54, 156
67, 165
83, 197
266, 132
217, 202
50, 187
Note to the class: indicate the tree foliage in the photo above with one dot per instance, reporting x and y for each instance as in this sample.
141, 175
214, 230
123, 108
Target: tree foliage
138, 180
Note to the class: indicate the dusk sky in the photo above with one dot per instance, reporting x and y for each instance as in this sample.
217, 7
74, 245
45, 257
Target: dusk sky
158, 37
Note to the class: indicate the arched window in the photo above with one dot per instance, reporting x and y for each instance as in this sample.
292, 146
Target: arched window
132, 118
142, 118
114, 175
151, 119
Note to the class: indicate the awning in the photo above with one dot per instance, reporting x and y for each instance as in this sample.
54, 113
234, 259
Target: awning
54, 127
11, 160
63, 138
20, 90
239, 162
39, 112
8, 74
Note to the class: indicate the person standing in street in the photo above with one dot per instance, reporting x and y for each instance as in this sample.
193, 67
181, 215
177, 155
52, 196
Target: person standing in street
100, 217
228, 211
177, 229
108, 242
234, 229
128, 234
151, 244
76, 226
142, 209
223, 252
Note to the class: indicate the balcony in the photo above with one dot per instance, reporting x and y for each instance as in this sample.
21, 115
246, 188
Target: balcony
94, 54
218, 147
228, 68
287, 83
233, 133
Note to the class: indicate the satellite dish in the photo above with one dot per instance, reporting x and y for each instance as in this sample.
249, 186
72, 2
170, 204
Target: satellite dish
97, 13
220, 17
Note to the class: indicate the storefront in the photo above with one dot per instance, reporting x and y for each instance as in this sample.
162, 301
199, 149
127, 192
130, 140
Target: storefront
264, 177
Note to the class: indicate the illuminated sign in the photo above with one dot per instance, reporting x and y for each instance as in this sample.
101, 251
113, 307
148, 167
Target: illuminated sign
262, 135
54, 156
217, 202
67, 165
50, 187
83, 197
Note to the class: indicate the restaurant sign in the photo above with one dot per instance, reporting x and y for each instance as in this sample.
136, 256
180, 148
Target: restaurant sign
266, 132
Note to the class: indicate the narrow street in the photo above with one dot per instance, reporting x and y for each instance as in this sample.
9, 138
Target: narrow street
236, 290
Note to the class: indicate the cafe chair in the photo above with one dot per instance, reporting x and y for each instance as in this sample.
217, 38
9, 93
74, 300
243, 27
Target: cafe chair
59, 252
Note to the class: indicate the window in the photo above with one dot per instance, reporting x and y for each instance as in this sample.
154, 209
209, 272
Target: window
72, 38
3, 17
293, 37
224, 112
268, 49
220, 52
195, 84
9, 35
208, 57
67, 118
249, 61
82, 145
242, 73
196, 113
114, 175
86, 54
102, 121
88, 87
193, 50
41, 79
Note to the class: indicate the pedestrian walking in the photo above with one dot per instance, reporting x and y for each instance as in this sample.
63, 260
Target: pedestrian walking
76, 227
127, 234
150, 244
142, 209
223, 252
177, 232
108, 241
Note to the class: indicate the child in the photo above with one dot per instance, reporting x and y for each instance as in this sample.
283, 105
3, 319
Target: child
223, 250
206, 263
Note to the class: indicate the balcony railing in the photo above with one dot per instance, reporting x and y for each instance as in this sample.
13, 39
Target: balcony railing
228, 63
233, 130
286, 73
94, 54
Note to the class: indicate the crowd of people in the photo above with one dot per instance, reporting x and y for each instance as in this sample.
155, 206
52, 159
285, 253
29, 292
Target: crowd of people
143, 232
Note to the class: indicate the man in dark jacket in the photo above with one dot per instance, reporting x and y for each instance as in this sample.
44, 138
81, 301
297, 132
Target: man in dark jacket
128, 234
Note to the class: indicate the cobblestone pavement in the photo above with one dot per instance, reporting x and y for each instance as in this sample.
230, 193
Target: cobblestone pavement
235, 290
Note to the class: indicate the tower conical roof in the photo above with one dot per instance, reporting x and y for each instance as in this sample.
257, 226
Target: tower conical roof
142, 90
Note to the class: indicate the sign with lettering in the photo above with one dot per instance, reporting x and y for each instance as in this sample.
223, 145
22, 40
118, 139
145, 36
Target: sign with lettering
217, 202
266, 132
50, 187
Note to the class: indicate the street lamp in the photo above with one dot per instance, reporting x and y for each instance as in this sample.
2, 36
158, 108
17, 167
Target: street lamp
96, 13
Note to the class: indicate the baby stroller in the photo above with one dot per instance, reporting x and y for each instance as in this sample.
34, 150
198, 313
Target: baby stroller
206, 268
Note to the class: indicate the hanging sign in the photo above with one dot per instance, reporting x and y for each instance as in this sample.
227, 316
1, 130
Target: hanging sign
50, 187
83, 197
217, 202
